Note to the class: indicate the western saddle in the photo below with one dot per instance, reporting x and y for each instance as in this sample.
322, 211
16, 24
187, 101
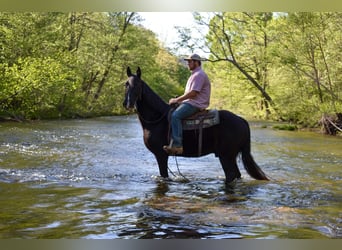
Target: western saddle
199, 121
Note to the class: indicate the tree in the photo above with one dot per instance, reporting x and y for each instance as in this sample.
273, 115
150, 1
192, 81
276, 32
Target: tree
242, 40
32, 64
310, 45
73, 64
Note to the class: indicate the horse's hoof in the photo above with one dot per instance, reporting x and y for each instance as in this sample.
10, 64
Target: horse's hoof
233, 182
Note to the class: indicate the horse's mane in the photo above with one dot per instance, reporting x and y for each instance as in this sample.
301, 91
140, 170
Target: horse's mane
153, 99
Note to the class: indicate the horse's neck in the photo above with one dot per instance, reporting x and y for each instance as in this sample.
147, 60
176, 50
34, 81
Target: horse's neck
151, 107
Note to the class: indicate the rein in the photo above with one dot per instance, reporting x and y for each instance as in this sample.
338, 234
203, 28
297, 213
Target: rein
140, 116
152, 122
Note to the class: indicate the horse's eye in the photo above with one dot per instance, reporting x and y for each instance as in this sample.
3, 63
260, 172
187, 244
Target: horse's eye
126, 85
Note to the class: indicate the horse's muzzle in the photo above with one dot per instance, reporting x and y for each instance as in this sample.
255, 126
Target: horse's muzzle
127, 105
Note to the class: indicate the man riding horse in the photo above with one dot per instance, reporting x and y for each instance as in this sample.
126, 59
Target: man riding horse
196, 97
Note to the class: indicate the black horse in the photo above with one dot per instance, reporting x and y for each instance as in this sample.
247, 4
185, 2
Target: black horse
226, 140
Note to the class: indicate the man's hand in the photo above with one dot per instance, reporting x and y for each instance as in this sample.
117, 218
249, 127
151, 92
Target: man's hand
186, 96
173, 101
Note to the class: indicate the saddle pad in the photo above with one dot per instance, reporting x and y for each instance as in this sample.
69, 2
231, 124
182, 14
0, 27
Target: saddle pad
202, 119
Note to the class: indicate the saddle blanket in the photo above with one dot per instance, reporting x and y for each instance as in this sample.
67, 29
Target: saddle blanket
202, 119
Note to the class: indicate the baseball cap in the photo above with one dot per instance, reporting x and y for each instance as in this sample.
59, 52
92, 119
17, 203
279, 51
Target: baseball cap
193, 57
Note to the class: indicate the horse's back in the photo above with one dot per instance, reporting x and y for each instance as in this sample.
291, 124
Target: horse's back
232, 120
233, 132
226, 137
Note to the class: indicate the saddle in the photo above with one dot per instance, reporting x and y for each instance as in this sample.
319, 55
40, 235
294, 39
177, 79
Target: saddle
199, 121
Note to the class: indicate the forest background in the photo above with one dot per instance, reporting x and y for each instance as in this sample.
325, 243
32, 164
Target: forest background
262, 65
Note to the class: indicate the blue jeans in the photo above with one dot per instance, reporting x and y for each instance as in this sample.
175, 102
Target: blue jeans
184, 110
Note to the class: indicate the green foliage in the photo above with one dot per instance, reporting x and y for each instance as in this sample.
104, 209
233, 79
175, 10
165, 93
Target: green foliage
36, 86
283, 66
73, 64
288, 127
308, 51
242, 41
280, 66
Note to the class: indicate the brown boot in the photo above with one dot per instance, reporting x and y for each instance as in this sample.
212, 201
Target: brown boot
173, 150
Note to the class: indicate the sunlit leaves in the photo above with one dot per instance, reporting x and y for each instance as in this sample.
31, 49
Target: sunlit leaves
73, 64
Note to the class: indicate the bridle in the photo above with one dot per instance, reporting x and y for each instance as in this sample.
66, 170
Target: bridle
155, 121
140, 97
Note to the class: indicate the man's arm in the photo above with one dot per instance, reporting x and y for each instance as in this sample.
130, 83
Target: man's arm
189, 95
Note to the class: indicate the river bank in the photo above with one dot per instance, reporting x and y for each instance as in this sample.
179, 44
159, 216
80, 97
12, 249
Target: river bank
264, 123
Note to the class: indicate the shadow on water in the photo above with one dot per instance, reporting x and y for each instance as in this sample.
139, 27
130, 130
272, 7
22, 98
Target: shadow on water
95, 179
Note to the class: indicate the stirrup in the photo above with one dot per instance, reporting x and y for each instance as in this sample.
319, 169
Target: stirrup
173, 150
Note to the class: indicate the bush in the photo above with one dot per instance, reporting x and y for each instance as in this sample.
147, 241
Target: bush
288, 127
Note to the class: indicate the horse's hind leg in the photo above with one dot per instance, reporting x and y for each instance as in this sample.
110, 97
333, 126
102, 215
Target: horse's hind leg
230, 168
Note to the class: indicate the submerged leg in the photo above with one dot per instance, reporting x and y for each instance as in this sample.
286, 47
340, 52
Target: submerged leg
230, 168
162, 160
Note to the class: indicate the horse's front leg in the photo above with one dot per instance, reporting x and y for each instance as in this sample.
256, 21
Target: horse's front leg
162, 159
154, 142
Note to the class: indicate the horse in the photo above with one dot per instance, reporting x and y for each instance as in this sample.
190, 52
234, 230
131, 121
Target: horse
226, 139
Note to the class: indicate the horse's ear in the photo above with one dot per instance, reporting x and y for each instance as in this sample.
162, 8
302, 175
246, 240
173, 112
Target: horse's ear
129, 72
139, 72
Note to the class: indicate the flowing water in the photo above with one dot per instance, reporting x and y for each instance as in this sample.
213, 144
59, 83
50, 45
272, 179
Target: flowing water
95, 179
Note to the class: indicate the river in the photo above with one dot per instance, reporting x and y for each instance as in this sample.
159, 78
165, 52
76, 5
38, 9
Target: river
94, 179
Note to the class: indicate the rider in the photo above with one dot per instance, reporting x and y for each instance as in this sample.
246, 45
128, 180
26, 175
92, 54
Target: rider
196, 97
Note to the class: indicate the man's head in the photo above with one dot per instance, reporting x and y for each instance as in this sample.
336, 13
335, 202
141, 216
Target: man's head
194, 61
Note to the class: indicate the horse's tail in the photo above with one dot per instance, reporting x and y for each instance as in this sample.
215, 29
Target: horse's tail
250, 165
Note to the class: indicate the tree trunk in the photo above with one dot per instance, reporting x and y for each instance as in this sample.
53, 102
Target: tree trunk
331, 125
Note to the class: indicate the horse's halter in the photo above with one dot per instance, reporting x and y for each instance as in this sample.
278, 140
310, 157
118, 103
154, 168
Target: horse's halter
134, 89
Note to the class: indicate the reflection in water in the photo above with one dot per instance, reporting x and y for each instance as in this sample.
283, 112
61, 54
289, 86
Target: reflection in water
95, 179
